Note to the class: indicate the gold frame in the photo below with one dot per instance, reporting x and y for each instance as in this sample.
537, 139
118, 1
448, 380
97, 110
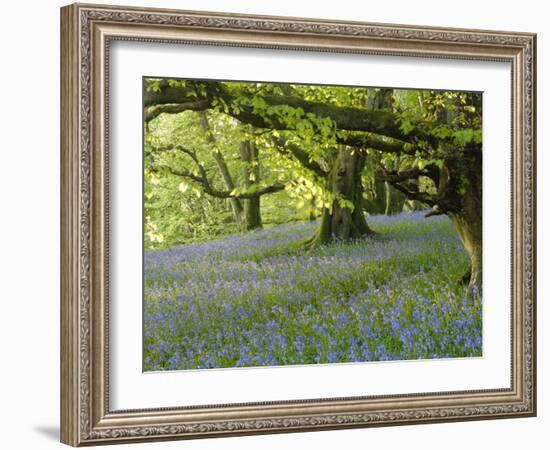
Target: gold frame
86, 31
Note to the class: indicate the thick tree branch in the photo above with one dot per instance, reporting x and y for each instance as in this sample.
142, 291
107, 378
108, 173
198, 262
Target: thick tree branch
205, 183
185, 174
430, 170
217, 155
285, 147
379, 121
262, 191
174, 108
193, 91
376, 142
397, 178
434, 212
415, 194
208, 189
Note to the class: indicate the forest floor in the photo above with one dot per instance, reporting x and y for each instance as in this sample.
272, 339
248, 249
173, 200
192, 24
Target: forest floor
260, 299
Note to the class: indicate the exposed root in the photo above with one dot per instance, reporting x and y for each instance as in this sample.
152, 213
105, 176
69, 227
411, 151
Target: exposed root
466, 277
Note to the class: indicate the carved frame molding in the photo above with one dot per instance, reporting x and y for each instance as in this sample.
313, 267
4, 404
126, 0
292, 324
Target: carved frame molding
86, 32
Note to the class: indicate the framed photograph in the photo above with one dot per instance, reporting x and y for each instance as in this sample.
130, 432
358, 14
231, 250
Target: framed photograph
274, 224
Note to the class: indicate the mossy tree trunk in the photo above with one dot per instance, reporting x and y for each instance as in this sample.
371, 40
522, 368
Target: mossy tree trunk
345, 219
252, 216
468, 222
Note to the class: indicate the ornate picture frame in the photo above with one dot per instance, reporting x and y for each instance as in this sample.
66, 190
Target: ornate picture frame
86, 34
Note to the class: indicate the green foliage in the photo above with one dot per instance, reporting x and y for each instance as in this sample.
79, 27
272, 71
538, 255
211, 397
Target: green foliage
180, 209
175, 214
153, 84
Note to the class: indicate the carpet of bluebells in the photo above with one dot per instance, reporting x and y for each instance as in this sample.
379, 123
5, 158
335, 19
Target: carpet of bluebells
260, 299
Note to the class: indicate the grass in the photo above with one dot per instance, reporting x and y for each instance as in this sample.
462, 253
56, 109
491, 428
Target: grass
259, 299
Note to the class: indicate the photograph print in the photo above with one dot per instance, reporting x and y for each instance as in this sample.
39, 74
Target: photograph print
293, 224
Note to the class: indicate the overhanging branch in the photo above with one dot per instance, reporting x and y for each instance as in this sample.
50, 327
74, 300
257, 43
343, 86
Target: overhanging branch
415, 194
379, 121
205, 183
174, 108
376, 142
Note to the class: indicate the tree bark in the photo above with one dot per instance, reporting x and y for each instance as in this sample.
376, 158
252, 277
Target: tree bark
342, 221
251, 175
393, 199
468, 219
469, 231
468, 224
235, 203
252, 214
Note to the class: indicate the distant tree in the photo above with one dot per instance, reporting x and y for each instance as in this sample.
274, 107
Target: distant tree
189, 153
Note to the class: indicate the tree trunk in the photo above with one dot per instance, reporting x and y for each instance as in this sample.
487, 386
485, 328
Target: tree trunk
252, 216
468, 223
345, 221
235, 203
469, 230
394, 200
251, 175
375, 198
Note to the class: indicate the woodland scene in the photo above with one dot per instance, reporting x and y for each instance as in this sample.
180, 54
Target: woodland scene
290, 224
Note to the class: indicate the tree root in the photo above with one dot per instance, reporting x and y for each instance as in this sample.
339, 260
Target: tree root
466, 277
